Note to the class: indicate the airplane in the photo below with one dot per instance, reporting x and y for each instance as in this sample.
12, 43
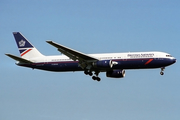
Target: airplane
114, 64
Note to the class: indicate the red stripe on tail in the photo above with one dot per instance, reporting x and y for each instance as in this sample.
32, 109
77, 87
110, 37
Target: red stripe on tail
26, 52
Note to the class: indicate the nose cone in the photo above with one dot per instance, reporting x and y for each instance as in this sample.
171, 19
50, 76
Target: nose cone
174, 60
171, 61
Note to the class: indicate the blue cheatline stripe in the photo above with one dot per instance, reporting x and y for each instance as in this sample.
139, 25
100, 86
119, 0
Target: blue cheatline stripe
73, 65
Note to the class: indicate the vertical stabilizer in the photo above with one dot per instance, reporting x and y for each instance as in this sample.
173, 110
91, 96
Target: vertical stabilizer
26, 49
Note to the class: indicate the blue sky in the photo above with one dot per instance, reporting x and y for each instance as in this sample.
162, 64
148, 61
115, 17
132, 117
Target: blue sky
90, 26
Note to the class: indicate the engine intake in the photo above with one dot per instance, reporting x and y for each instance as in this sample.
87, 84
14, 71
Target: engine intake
116, 73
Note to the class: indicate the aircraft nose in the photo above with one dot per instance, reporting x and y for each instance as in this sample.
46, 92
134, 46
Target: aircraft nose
174, 60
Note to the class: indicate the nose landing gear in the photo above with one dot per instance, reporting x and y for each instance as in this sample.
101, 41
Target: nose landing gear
162, 69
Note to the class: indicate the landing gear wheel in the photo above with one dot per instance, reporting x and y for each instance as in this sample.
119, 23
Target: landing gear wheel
88, 73
162, 73
96, 78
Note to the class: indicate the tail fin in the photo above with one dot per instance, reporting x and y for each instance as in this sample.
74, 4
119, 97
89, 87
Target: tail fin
26, 49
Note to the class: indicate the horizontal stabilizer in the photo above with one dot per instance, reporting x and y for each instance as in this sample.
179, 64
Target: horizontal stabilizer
18, 58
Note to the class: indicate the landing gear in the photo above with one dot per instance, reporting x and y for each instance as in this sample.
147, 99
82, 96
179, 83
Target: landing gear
96, 78
162, 73
162, 69
89, 72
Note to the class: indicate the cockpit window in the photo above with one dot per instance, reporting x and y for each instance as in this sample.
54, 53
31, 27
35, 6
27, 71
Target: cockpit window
168, 56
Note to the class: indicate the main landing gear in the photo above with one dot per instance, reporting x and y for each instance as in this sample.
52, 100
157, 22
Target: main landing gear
88, 72
162, 69
96, 76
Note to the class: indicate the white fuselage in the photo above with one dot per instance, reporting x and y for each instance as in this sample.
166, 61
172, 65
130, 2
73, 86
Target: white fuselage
106, 56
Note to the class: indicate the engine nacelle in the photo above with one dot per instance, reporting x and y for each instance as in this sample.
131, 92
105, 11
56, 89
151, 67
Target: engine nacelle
116, 73
103, 64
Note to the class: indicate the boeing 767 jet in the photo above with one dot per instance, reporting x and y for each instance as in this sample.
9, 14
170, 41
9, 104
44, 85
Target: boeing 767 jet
114, 64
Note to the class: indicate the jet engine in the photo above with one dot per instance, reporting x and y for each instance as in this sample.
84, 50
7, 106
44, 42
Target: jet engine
103, 64
116, 73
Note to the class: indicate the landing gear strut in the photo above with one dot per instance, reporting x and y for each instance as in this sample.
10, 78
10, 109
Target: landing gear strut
162, 69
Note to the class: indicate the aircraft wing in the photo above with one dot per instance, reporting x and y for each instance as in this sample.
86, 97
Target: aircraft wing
18, 58
73, 54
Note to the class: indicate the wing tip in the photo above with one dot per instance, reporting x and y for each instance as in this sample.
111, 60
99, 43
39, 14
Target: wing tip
7, 54
49, 41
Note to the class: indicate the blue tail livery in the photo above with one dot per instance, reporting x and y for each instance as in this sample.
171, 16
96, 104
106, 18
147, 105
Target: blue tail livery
26, 49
